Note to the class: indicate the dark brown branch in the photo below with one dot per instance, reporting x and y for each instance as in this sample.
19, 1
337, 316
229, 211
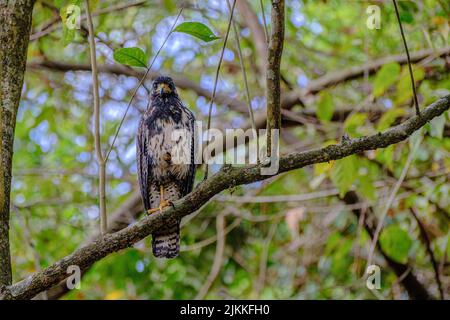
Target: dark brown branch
275, 51
227, 177
288, 99
412, 285
15, 22
336, 77
426, 239
181, 81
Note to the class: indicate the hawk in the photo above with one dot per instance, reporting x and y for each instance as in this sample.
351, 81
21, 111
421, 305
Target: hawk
165, 160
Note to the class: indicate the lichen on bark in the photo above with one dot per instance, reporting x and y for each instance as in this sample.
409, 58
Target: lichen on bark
15, 25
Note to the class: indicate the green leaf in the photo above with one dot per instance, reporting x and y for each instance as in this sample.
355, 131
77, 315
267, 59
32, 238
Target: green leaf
325, 107
169, 5
437, 126
396, 243
134, 57
344, 173
388, 118
385, 77
198, 30
404, 89
353, 122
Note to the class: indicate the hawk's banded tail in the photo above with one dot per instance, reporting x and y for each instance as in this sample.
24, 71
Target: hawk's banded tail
166, 241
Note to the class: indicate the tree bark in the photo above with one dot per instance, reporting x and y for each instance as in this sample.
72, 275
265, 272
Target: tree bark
15, 25
275, 52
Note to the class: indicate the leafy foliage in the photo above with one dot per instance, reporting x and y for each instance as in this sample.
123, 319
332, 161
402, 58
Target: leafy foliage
318, 249
198, 30
396, 243
134, 57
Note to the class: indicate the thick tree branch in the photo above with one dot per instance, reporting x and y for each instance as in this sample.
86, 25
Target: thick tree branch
275, 51
15, 25
227, 177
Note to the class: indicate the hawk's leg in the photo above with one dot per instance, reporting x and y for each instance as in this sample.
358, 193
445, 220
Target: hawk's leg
162, 203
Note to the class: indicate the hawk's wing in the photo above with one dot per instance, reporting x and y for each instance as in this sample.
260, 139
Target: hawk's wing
188, 183
144, 161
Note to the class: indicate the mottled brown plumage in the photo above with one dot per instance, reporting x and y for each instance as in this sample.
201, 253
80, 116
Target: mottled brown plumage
165, 159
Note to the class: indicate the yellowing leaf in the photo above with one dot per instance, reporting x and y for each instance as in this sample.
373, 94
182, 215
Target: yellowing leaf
353, 122
325, 107
345, 172
388, 118
114, 295
404, 88
385, 77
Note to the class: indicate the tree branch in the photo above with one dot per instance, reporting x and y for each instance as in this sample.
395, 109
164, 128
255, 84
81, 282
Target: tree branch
259, 38
288, 99
15, 21
227, 177
275, 51
98, 148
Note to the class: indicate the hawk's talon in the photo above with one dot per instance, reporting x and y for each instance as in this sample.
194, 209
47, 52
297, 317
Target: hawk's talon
163, 204
150, 211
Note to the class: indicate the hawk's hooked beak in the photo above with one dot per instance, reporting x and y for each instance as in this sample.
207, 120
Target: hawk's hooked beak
163, 88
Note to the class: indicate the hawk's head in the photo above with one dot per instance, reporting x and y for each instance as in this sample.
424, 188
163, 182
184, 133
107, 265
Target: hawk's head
163, 87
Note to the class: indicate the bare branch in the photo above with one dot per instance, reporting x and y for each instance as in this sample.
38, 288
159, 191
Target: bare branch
426, 239
225, 178
250, 19
218, 257
98, 148
273, 90
411, 74
216, 79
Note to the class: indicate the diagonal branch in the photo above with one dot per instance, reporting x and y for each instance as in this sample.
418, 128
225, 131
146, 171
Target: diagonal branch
227, 177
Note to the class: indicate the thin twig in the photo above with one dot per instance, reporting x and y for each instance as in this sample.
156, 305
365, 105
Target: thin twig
141, 83
98, 149
218, 257
413, 83
425, 237
263, 260
392, 197
217, 78
247, 90
266, 31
